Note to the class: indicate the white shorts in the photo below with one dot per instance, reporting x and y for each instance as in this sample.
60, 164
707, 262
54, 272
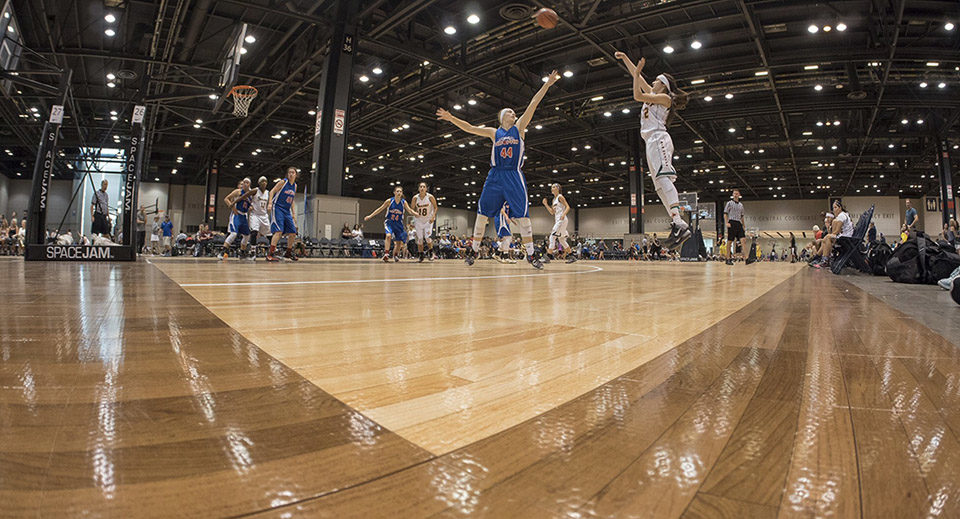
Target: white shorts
258, 223
424, 229
660, 155
560, 229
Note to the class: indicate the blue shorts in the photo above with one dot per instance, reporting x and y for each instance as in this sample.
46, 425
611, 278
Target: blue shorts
504, 185
238, 224
502, 225
282, 222
396, 230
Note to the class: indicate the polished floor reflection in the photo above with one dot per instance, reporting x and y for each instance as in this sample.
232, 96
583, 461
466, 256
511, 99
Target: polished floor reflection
669, 390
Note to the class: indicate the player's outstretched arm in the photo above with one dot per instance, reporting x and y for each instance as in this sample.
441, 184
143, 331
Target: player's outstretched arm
246, 195
645, 96
378, 211
231, 198
406, 207
631, 68
532, 107
444, 115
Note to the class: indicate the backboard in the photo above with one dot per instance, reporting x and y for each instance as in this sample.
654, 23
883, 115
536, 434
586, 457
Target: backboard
230, 66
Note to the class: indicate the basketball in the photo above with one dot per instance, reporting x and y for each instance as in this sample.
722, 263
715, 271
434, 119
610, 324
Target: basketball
547, 18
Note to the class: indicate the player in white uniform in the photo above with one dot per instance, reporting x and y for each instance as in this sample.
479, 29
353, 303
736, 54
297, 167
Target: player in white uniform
257, 218
660, 100
424, 215
559, 209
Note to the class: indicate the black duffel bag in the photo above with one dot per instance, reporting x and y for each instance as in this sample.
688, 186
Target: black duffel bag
921, 260
877, 256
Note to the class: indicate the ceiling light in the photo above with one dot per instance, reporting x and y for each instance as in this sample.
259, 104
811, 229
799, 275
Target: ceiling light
597, 98
933, 64
110, 32
567, 73
923, 84
474, 19
708, 99
450, 30
826, 28
836, 123
377, 70
250, 39
841, 26
819, 123
111, 84
668, 49
818, 87
312, 112
214, 96
811, 67
761, 73
364, 79
110, 18
948, 26
539, 126
625, 110
728, 96
813, 29
732, 130
607, 114
697, 81
941, 85
919, 121
695, 44
186, 144
472, 102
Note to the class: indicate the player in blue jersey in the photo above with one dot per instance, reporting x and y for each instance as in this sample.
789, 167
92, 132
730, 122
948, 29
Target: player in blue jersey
282, 213
502, 222
393, 224
505, 181
239, 205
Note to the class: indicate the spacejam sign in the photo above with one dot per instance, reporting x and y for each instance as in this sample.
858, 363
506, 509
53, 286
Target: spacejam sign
91, 252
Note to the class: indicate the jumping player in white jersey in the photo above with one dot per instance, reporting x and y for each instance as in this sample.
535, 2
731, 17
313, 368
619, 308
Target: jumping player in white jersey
424, 215
502, 223
559, 209
505, 181
239, 207
393, 223
660, 101
257, 219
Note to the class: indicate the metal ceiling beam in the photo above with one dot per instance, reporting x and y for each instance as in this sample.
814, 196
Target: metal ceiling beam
764, 52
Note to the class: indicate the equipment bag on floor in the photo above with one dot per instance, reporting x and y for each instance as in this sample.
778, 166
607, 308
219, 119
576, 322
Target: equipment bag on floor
921, 260
877, 256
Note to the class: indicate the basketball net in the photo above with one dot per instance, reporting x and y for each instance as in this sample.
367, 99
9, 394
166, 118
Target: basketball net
243, 95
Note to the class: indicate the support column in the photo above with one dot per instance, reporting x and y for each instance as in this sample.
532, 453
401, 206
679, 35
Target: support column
131, 186
43, 168
948, 199
330, 134
210, 200
635, 173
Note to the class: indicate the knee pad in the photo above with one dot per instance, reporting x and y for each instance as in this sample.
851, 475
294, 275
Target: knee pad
526, 227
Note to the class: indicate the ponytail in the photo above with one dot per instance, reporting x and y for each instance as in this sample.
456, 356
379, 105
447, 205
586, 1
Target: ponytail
678, 98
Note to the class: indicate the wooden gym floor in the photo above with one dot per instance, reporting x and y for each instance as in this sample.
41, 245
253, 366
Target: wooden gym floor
356, 389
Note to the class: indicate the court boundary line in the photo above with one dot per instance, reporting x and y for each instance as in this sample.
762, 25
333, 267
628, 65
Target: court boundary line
388, 280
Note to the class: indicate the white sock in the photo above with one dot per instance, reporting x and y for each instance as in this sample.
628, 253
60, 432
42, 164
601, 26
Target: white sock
669, 198
526, 231
478, 229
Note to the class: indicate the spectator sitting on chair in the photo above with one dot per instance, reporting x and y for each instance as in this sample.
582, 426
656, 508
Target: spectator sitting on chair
202, 238
345, 232
357, 232
842, 226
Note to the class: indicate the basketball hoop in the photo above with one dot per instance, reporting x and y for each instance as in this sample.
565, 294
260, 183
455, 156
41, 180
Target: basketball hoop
242, 97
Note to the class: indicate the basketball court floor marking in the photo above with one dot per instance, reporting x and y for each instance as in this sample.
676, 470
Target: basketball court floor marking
388, 280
